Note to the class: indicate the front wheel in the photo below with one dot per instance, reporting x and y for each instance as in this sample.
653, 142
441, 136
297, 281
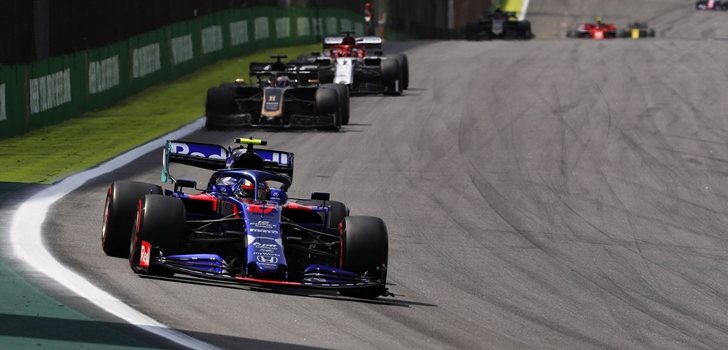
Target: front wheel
365, 249
121, 203
159, 226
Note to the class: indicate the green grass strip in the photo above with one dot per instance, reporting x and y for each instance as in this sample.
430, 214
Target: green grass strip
510, 5
46, 155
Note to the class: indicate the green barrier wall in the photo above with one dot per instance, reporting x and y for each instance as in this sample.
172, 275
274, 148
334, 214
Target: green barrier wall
53, 90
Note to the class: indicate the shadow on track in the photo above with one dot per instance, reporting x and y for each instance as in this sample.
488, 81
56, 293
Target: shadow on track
302, 292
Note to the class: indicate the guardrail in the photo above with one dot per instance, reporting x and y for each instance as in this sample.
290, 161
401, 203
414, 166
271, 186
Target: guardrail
50, 91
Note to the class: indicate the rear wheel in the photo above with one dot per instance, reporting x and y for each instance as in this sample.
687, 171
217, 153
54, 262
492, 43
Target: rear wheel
160, 221
471, 31
404, 67
219, 102
343, 92
526, 33
327, 103
365, 251
122, 198
391, 76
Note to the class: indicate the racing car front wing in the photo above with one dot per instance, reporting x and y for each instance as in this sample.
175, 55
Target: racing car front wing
212, 266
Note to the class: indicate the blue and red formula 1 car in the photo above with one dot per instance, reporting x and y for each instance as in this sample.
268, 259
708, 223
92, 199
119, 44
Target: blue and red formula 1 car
243, 227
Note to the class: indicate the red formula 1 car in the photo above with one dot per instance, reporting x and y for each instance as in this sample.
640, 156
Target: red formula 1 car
597, 31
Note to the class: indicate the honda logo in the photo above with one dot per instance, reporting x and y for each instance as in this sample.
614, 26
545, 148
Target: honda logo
267, 259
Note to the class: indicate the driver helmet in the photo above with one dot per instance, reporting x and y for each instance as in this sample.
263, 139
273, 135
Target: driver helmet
282, 81
598, 20
349, 40
247, 190
368, 5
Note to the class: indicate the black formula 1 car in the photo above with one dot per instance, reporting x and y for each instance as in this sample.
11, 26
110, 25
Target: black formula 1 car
242, 227
359, 64
636, 30
498, 25
714, 5
283, 96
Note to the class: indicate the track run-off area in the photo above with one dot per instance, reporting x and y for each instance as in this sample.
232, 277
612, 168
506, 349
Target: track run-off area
553, 193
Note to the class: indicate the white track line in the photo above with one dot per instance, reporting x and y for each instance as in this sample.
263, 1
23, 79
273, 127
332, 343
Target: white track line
524, 9
27, 242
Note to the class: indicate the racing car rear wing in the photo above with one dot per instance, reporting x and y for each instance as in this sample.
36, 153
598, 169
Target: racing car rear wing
216, 157
369, 42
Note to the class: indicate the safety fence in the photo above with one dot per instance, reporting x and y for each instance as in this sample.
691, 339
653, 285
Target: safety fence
429, 19
52, 90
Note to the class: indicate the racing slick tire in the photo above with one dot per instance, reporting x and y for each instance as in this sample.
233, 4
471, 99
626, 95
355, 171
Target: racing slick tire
343, 92
160, 220
119, 210
471, 31
525, 30
404, 66
327, 103
365, 250
219, 102
391, 77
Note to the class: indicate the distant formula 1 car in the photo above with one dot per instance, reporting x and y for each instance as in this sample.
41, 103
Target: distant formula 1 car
637, 30
359, 64
498, 25
283, 96
597, 31
242, 227
716, 5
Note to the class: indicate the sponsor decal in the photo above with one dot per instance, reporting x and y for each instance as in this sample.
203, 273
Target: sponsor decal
259, 245
263, 231
267, 259
182, 49
264, 224
346, 25
211, 39
344, 70
196, 150
3, 113
283, 27
145, 255
50, 91
146, 60
272, 103
331, 26
239, 32
103, 75
261, 28
303, 26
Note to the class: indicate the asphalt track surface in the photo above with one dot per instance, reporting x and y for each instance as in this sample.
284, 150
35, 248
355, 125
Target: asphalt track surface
543, 194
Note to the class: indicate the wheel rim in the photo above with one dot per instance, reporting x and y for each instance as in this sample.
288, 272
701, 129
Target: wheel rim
107, 210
